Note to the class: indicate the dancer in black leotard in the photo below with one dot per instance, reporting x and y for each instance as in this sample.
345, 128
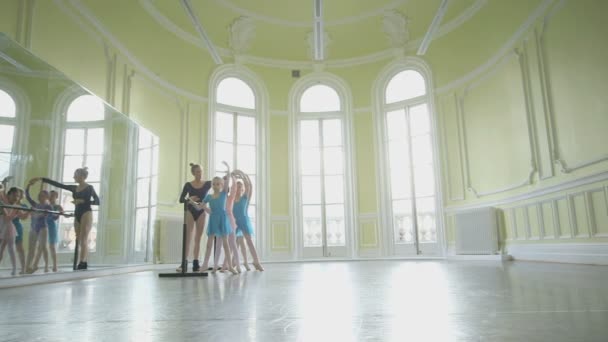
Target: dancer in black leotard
195, 190
84, 197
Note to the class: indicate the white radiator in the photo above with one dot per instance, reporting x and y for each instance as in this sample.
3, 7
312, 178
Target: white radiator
477, 232
171, 229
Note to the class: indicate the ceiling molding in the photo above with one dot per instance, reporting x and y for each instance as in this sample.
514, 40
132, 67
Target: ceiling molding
430, 33
504, 50
187, 5
137, 64
150, 8
290, 23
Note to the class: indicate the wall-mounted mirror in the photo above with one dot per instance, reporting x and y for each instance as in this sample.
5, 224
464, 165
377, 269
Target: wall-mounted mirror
50, 127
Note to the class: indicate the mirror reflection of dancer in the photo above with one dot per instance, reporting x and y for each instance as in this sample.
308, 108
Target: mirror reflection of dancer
19, 194
195, 190
51, 221
7, 228
244, 229
39, 230
84, 196
219, 222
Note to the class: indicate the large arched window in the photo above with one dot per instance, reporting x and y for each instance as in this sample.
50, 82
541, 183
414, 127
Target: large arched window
84, 145
407, 152
235, 122
322, 178
8, 113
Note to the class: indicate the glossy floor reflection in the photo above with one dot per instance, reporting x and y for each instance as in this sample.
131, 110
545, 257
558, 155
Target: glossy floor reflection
333, 301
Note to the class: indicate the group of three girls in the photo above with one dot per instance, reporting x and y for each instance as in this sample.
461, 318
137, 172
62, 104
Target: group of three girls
44, 224
228, 219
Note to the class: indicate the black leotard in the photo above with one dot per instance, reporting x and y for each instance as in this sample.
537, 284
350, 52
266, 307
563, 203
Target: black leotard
192, 191
86, 194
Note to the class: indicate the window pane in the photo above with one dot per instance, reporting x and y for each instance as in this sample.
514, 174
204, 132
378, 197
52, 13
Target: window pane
94, 164
154, 170
310, 162
419, 120
234, 92
8, 108
425, 210
403, 221
396, 126
332, 132
95, 141
223, 152
311, 190
334, 189
141, 229
311, 217
5, 164
422, 150
224, 127
424, 178
143, 192
145, 138
70, 164
86, 108
399, 171
245, 158
309, 133
405, 85
253, 180
245, 130
334, 163
154, 194
74, 141
7, 133
143, 162
334, 219
320, 98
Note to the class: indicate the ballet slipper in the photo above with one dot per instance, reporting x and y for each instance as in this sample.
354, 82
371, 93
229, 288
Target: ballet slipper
238, 268
54, 268
247, 267
46, 270
232, 270
258, 266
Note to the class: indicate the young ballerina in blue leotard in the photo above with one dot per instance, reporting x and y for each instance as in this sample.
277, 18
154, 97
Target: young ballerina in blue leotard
219, 222
51, 221
244, 228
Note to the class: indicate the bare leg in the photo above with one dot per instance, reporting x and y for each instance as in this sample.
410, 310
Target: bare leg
208, 252
235, 252
2, 248
200, 228
31, 251
42, 250
86, 222
21, 254
227, 255
53, 250
11, 254
254, 253
244, 251
216, 257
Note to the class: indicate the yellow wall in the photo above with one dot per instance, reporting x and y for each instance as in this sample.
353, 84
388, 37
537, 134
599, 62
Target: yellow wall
501, 129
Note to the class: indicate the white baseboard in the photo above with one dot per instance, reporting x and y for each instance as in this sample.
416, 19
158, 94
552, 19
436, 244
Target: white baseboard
451, 255
579, 253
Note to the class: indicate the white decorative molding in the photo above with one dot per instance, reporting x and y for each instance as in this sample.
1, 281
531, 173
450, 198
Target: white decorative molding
504, 50
528, 116
595, 254
310, 41
445, 156
187, 5
593, 178
164, 21
394, 24
242, 33
430, 33
293, 23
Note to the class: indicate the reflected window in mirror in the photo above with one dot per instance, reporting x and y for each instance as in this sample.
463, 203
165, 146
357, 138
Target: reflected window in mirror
236, 131
8, 113
84, 146
147, 184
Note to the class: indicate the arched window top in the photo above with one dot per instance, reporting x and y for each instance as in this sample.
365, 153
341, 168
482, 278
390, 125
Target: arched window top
86, 108
8, 108
234, 92
406, 85
320, 98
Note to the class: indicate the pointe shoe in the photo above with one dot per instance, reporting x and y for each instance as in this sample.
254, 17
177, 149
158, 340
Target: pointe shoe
247, 267
258, 266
